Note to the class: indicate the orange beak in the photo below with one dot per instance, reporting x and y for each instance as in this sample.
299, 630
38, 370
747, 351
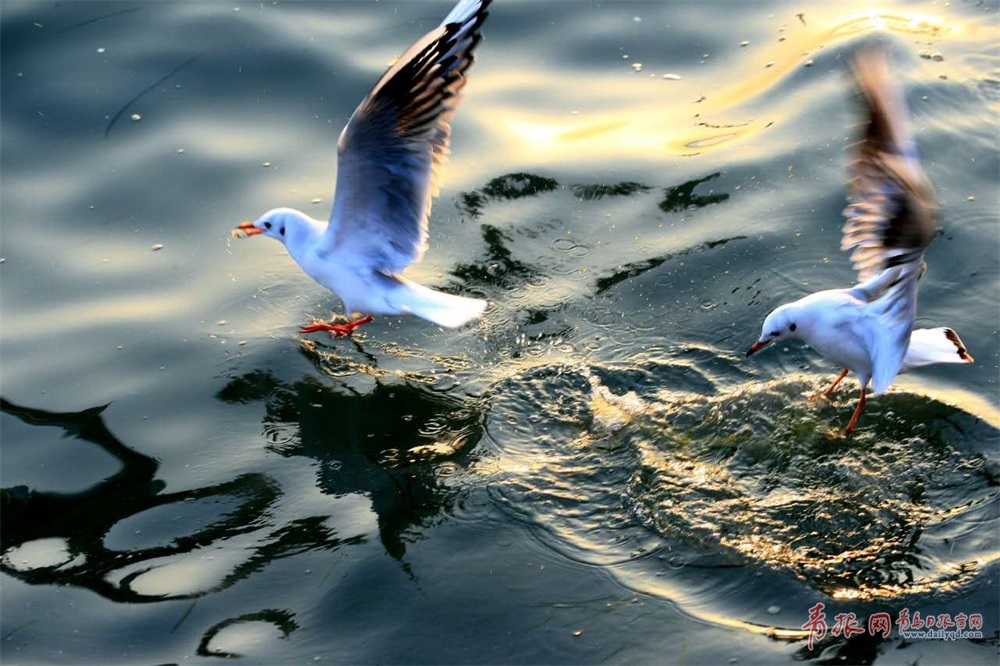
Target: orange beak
246, 229
757, 346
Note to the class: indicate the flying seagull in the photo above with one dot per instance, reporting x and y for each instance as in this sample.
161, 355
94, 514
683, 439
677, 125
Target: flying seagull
388, 158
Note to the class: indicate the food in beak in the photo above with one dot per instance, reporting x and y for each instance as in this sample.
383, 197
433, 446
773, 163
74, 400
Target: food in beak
246, 229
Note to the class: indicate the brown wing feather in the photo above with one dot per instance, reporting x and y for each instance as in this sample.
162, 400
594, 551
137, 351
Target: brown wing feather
893, 211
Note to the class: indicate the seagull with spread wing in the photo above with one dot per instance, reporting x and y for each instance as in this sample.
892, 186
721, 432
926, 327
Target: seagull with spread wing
388, 158
891, 220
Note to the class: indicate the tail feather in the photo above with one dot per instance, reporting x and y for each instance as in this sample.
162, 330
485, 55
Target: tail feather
438, 307
935, 345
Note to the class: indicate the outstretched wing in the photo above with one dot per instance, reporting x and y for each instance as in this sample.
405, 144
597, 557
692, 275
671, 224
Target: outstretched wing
390, 150
891, 218
892, 214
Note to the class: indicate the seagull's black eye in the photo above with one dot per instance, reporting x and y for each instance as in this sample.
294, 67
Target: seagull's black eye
267, 225
792, 327
774, 334
282, 232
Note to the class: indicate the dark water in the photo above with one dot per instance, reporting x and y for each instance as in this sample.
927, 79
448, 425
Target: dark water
593, 472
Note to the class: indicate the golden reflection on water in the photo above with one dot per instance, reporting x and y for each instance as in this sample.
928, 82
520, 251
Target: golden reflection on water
670, 118
834, 516
950, 395
914, 23
957, 579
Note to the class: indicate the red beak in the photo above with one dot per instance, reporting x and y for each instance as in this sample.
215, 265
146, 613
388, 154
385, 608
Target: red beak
757, 346
246, 229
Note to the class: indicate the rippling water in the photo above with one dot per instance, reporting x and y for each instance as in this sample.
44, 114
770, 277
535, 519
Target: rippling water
593, 472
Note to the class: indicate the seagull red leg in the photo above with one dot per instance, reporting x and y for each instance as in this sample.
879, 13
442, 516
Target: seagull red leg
337, 330
827, 393
840, 378
857, 412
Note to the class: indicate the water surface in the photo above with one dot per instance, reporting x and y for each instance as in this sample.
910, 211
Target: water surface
591, 473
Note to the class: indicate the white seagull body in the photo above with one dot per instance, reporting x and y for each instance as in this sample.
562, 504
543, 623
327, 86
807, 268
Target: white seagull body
388, 157
868, 329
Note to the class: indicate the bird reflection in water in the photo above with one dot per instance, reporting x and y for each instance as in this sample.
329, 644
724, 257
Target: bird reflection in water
82, 520
395, 444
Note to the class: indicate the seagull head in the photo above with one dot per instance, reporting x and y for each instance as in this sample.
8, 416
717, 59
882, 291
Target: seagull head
279, 224
781, 324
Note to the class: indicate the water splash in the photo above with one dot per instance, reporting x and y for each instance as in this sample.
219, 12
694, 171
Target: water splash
635, 469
